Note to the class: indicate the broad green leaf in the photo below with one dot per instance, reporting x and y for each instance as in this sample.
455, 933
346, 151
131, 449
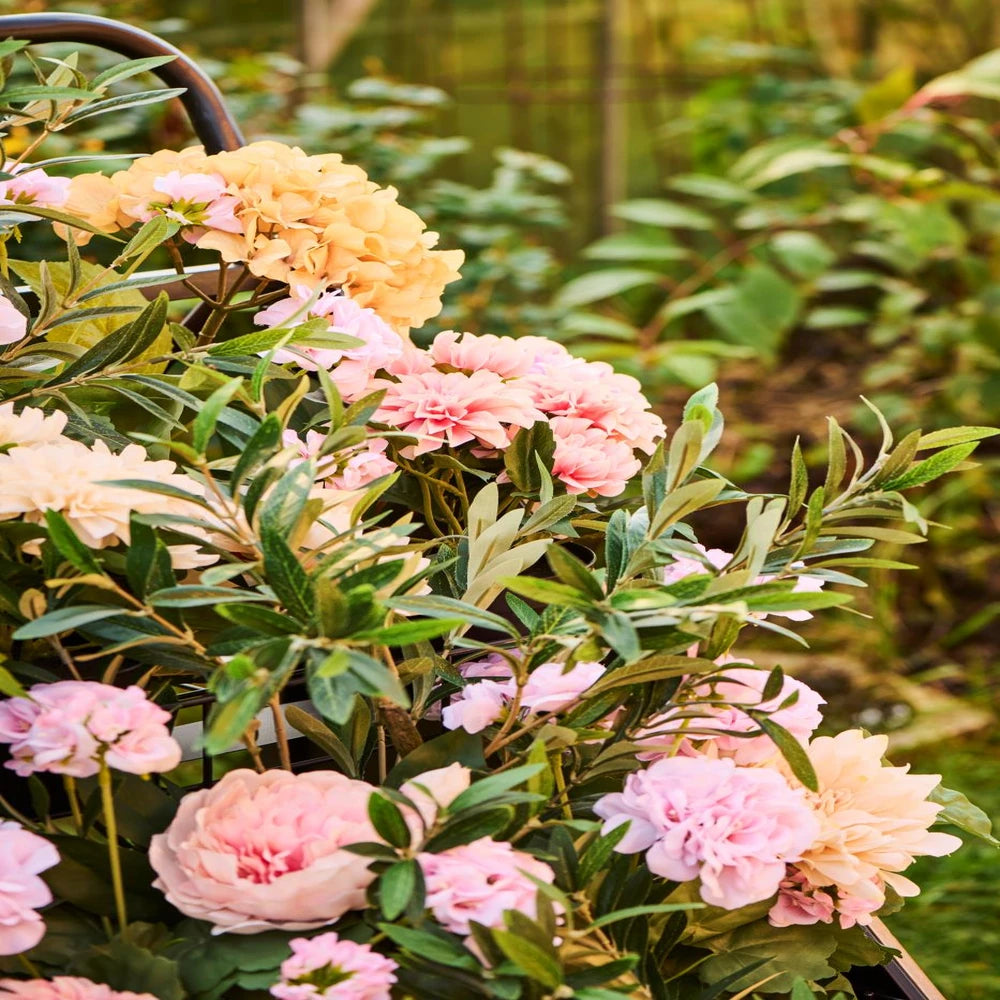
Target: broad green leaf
397, 886
960, 812
603, 284
791, 749
65, 620
537, 963
65, 539
662, 212
931, 468
388, 821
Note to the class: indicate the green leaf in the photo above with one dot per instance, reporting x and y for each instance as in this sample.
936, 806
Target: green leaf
955, 435
656, 667
480, 792
960, 812
537, 963
151, 235
10, 686
123, 102
397, 886
147, 560
603, 285
457, 746
196, 595
433, 946
261, 446
661, 212
547, 592
408, 633
791, 749
287, 576
126, 965
469, 827
573, 573
44, 92
65, 539
931, 468
65, 620
640, 911
128, 68
388, 820
448, 607
315, 731
208, 415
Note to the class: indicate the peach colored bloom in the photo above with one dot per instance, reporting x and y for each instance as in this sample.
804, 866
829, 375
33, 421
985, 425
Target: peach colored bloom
326, 968
23, 855
64, 988
30, 426
260, 851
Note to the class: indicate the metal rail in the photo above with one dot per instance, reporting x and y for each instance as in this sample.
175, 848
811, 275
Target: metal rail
211, 120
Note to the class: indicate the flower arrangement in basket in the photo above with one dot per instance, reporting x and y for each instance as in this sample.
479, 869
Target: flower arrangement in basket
340, 667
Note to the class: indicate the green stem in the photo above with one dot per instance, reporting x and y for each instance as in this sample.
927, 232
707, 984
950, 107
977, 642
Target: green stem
29, 966
111, 828
74, 802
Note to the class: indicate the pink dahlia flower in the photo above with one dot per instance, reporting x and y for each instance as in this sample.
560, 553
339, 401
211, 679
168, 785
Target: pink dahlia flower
34, 187
13, 322
69, 727
363, 467
481, 881
64, 988
733, 827
22, 856
326, 968
587, 460
738, 689
452, 408
261, 851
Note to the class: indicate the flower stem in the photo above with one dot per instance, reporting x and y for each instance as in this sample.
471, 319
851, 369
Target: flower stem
111, 828
29, 966
74, 802
281, 733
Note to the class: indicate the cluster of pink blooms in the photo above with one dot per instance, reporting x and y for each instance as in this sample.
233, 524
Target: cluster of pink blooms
71, 727
33, 186
550, 687
327, 968
362, 466
685, 566
23, 855
64, 988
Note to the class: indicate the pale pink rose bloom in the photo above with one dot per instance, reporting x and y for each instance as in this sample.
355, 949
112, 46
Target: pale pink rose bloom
351, 369
508, 357
588, 461
68, 727
874, 819
262, 851
64, 988
326, 968
481, 881
734, 828
453, 408
22, 856
433, 791
739, 686
13, 323
799, 902
477, 706
35, 187
551, 688
30, 426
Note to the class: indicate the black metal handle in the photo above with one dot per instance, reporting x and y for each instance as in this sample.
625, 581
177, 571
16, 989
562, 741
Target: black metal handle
212, 121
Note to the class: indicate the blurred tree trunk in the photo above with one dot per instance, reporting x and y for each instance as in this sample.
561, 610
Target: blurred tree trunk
325, 28
613, 110
821, 25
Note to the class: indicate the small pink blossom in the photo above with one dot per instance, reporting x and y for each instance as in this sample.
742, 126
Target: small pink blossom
477, 706
587, 460
364, 467
64, 988
326, 968
69, 727
13, 322
480, 882
435, 790
22, 856
733, 827
452, 408
799, 902
34, 187
551, 687
685, 566
261, 851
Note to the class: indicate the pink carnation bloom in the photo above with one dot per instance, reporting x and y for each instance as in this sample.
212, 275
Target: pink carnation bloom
481, 881
22, 856
588, 461
733, 827
453, 408
13, 322
740, 686
326, 968
69, 727
261, 851
351, 369
34, 187
64, 988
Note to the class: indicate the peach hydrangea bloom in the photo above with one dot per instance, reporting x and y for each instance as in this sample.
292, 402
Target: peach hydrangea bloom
262, 851
326, 968
69, 477
302, 220
30, 426
64, 988
874, 819
23, 855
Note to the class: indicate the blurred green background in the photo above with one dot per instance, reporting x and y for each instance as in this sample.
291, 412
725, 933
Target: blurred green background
798, 198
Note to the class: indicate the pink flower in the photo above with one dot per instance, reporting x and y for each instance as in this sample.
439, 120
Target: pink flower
364, 467
69, 727
476, 706
351, 369
30, 425
13, 323
435, 790
326, 968
64, 988
453, 408
733, 827
685, 566
799, 902
34, 187
22, 856
260, 851
588, 461
739, 686
551, 688
505, 356
481, 881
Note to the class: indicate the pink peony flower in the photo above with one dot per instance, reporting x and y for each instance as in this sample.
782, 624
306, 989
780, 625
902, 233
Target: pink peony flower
351, 369
22, 856
799, 902
260, 851
551, 687
13, 323
740, 686
365, 466
34, 187
477, 706
733, 827
69, 727
326, 968
64, 988
453, 408
30, 426
481, 881
587, 460
505, 356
